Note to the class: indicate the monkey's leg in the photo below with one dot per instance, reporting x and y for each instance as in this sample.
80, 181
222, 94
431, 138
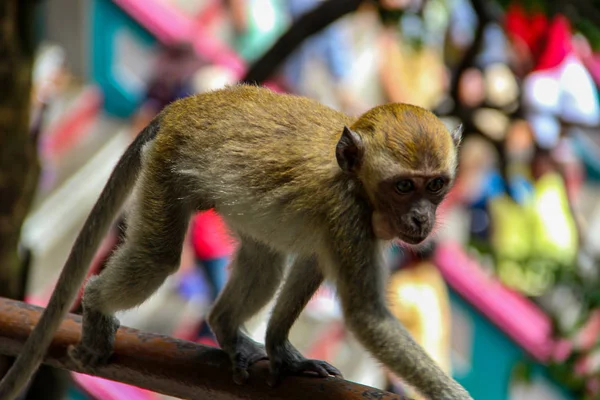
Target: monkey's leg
150, 253
303, 281
256, 274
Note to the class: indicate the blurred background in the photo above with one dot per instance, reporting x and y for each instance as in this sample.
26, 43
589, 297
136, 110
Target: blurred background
506, 295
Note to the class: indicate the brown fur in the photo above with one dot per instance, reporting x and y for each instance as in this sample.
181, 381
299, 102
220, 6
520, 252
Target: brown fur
289, 179
414, 136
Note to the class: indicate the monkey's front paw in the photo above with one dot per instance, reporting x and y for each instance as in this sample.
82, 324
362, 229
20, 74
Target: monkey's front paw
454, 392
286, 360
87, 358
246, 353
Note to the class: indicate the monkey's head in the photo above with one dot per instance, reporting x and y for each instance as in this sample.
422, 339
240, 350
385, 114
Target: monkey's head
405, 159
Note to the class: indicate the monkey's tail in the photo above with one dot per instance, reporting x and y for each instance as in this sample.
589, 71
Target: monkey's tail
114, 194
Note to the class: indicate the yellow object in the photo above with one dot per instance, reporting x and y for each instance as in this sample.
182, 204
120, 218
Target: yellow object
543, 226
512, 228
527, 236
418, 297
554, 230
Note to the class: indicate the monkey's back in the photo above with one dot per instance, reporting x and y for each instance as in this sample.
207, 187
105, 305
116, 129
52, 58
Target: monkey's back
246, 150
245, 112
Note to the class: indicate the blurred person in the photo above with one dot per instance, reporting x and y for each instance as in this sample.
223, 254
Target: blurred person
395, 55
320, 67
213, 248
51, 78
171, 79
478, 182
411, 68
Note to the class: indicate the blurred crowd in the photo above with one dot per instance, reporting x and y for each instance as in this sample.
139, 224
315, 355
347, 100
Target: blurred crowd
522, 77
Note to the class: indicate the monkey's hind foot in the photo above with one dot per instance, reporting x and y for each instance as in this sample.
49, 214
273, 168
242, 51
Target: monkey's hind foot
243, 354
87, 358
97, 340
286, 360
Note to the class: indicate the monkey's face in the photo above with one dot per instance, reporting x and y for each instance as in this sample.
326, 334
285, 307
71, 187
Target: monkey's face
406, 159
406, 206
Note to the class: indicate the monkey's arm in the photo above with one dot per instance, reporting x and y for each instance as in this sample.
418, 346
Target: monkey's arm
360, 283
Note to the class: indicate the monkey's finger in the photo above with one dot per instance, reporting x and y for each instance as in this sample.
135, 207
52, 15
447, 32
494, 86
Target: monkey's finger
312, 366
240, 375
243, 359
275, 377
321, 368
332, 370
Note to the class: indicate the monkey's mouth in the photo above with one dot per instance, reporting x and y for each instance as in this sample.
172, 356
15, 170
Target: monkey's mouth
412, 238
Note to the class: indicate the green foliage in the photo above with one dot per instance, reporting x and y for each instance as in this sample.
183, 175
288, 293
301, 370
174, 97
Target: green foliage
528, 5
590, 30
522, 371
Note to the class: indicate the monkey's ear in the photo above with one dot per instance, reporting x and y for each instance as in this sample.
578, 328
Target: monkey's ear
456, 134
349, 150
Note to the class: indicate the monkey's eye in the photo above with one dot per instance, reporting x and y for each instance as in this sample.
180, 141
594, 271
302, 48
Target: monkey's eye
404, 186
435, 185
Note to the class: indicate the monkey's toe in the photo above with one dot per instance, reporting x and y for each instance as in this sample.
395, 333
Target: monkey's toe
87, 358
246, 353
242, 363
322, 369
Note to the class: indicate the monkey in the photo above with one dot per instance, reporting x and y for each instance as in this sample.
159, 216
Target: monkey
290, 177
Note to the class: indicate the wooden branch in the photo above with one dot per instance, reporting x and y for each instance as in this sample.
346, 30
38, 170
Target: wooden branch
170, 366
307, 25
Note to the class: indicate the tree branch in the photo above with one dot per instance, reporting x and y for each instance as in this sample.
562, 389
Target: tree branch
171, 366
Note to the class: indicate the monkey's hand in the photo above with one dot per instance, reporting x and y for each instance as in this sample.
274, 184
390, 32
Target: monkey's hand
286, 360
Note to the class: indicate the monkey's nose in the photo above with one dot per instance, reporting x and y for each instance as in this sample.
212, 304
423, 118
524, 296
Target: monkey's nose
419, 220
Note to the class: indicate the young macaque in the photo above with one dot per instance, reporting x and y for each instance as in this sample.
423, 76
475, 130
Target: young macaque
290, 177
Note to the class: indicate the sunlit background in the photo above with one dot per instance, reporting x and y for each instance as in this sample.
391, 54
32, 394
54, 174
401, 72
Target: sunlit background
505, 297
